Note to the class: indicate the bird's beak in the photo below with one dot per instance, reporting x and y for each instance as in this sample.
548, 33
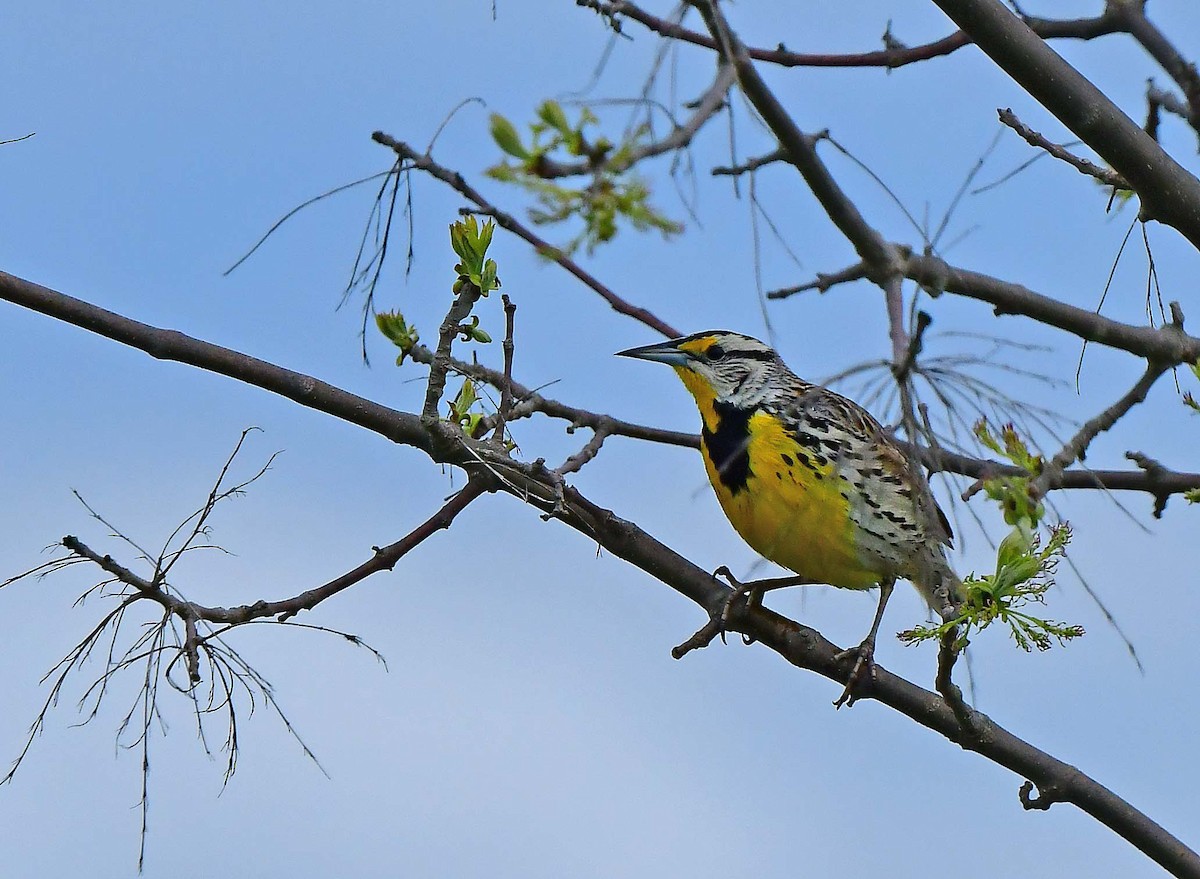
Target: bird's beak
663, 352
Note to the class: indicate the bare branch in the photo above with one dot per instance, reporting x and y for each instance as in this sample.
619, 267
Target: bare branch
589, 451
506, 386
750, 165
824, 282
164, 344
800, 148
385, 558
1132, 16
1076, 448
895, 55
1168, 344
1105, 175
1168, 192
457, 313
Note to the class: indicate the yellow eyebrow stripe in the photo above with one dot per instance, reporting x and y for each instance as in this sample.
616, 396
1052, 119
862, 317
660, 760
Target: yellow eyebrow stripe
697, 346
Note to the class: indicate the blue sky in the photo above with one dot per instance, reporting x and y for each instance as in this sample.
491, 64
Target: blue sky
531, 721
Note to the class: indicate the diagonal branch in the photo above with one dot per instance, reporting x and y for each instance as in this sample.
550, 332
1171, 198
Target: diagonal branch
1075, 449
458, 183
1105, 175
1168, 192
1131, 14
800, 149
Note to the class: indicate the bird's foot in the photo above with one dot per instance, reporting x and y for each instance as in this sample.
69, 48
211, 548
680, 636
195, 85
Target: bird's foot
862, 673
750, 593
718, 625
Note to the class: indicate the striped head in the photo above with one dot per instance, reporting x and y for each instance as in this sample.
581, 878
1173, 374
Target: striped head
719, 366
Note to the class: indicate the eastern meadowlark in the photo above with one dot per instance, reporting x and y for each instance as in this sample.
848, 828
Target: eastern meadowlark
808, 478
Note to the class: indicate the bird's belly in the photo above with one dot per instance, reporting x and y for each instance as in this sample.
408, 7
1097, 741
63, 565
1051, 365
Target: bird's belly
795, 514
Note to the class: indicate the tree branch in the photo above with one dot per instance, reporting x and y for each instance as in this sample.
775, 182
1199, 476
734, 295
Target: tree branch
1168, 344
1168, 192
1131, 14
1105, 175
385, 558
705, 108
892, 57
506, 221
800, 148
1076, 448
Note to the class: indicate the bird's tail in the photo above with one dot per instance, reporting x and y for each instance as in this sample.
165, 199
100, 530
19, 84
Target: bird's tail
942, 589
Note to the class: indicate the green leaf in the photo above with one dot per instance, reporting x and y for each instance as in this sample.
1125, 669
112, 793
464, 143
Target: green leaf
504, 133
552, 114
399, 333
472, 333
1024, 572
471, 242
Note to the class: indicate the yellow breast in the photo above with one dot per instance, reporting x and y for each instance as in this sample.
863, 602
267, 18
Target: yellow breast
791, 506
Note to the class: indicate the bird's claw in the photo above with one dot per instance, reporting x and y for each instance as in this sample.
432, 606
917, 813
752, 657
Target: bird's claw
863, 670
738, 592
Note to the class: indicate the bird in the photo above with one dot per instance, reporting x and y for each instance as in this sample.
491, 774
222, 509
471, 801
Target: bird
810, 480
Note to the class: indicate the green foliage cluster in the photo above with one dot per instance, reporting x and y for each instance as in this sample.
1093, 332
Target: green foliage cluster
1024, 571
614, 193
463, 403
1025, 567
1012, 493
398, 332
471, 242
474, 272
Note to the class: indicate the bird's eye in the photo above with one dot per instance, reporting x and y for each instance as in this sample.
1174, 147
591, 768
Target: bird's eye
714, 353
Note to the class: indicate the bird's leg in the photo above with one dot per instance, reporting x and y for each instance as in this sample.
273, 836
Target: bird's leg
864, 653
752, 592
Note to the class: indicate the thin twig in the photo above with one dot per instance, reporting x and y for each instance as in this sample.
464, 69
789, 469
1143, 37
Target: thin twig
507, 346
1076, 448
703, 108
1107, 176
457, 313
